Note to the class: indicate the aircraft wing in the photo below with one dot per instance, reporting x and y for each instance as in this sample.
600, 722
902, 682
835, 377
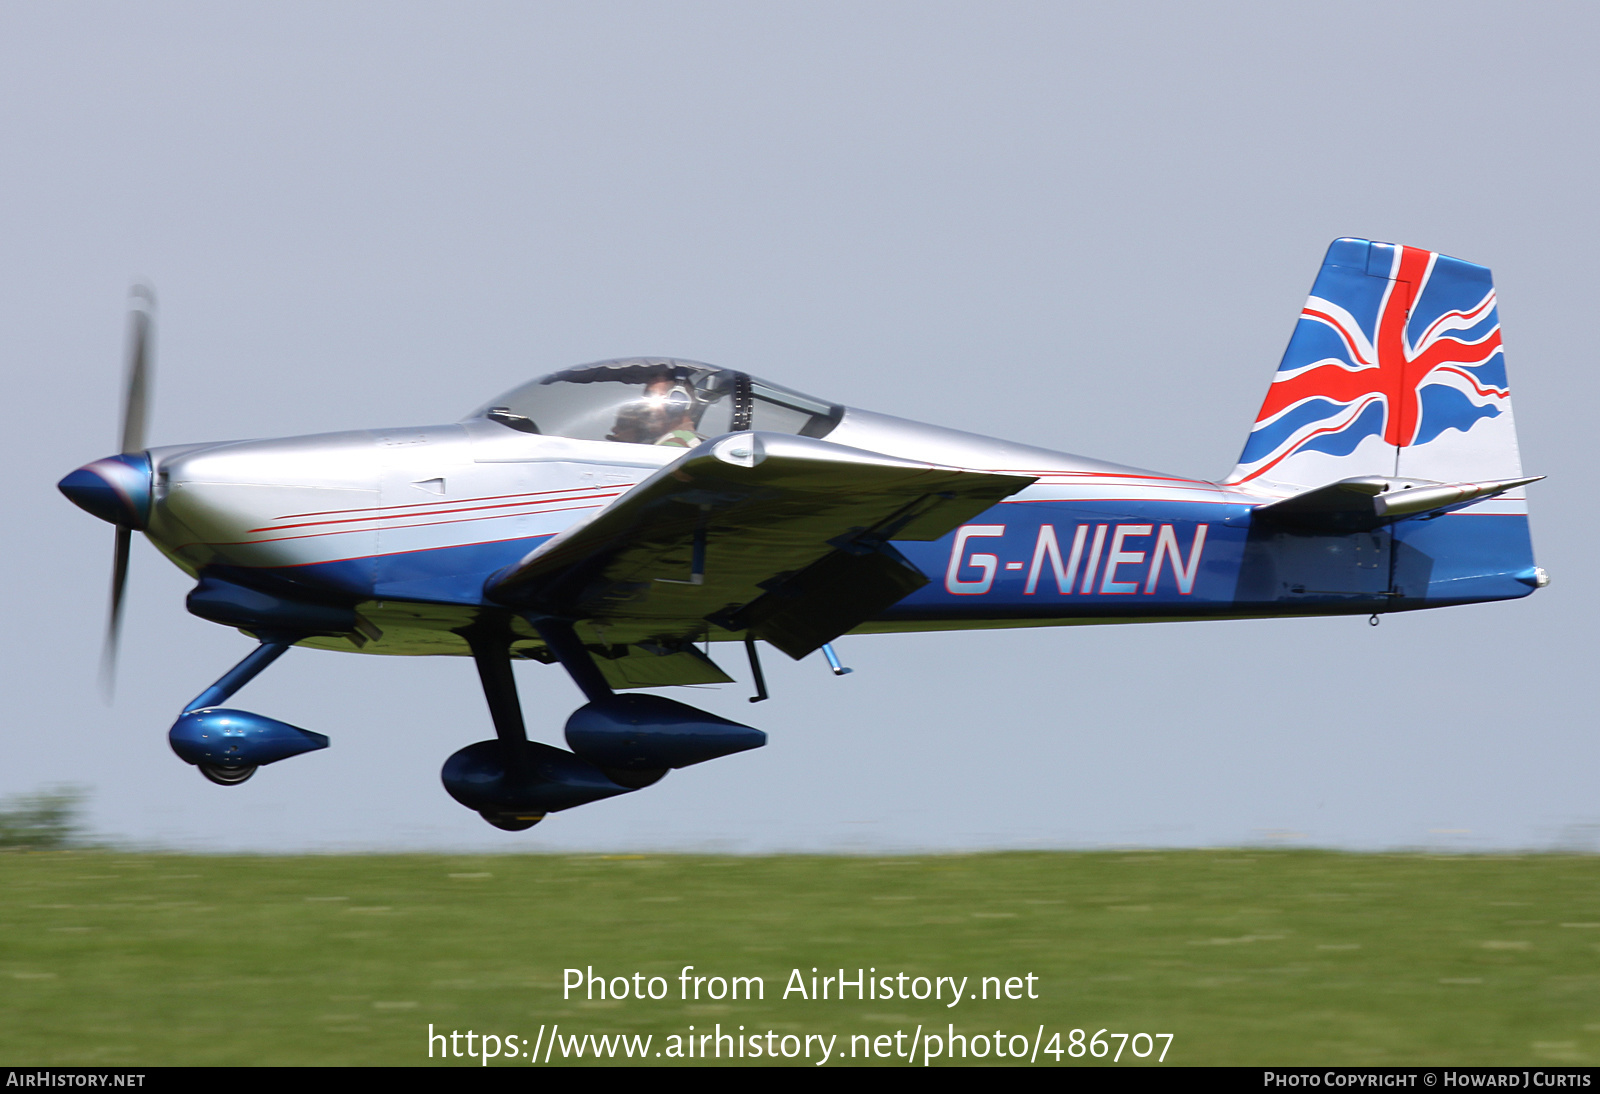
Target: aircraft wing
784, 537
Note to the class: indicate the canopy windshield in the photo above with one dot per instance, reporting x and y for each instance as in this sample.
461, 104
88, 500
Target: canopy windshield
658, 401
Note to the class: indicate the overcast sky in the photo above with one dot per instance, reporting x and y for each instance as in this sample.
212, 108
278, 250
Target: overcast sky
1084, 226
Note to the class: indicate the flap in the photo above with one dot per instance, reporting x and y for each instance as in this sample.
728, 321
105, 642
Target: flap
741, 516
649, 665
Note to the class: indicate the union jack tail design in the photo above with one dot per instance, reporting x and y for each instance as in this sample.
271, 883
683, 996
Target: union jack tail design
1395, 368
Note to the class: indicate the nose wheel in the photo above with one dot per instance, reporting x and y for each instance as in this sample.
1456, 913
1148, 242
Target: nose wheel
226, 776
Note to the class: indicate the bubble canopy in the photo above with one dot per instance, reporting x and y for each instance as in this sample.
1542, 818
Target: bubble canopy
656, 401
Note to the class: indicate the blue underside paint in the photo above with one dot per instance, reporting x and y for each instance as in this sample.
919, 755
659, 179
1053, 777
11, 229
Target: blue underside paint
1474, 558
1237, 569
445, 575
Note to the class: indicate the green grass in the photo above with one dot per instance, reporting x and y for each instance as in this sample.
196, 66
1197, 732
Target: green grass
1246, 957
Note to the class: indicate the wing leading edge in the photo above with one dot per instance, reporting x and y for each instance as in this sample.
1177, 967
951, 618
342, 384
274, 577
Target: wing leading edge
784, 537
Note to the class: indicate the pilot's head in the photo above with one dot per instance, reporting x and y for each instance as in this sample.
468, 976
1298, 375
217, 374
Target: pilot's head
665, 409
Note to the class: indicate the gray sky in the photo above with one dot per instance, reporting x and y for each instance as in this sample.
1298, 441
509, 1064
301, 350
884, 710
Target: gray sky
1085, 226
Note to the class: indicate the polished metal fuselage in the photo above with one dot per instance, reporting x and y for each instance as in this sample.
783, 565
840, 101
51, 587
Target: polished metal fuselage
407, 526
408, 523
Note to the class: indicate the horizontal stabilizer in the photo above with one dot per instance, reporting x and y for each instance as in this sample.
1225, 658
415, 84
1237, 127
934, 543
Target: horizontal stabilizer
1360, 504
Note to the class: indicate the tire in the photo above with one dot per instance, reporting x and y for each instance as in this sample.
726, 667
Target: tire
511, 822
226, 776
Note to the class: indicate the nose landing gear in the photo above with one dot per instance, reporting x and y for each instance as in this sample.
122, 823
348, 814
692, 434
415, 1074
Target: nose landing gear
228, 745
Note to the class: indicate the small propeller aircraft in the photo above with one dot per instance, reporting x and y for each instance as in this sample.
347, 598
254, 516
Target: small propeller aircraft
617, 517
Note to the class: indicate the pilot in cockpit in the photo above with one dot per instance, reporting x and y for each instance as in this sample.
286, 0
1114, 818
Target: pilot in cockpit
663, 415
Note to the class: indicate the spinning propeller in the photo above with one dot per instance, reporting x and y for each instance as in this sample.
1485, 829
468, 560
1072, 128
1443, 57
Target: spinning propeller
135, 399
118, 488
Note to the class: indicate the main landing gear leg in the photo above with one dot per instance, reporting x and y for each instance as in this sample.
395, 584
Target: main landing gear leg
564, 643
492, 654
619, 743
512, 782
228, 745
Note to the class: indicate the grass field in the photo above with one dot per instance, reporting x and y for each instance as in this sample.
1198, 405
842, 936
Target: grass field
1245, 957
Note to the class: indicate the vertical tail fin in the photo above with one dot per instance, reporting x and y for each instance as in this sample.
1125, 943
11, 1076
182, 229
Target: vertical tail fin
1395, 368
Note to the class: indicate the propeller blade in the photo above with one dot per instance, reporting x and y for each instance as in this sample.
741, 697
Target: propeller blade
137, 377
136, 381
119, 586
